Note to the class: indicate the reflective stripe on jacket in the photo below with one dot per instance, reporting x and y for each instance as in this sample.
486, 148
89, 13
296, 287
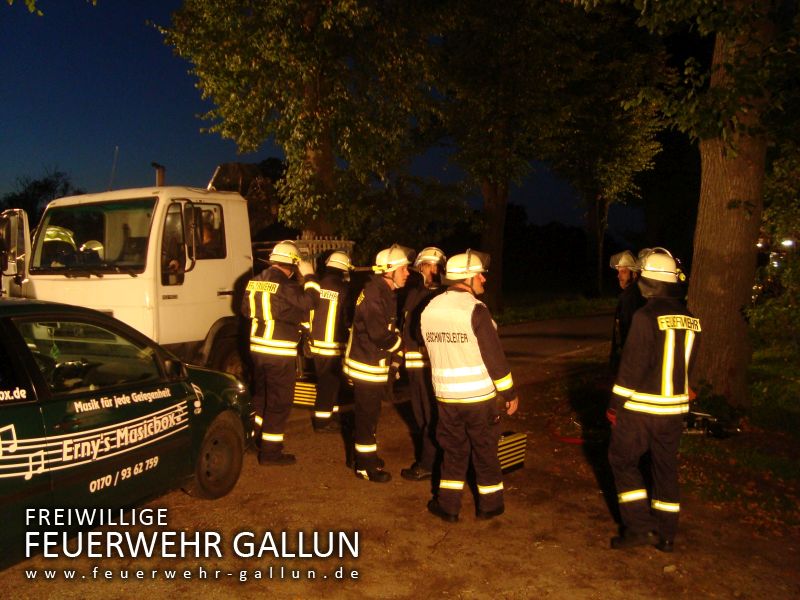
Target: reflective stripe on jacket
374, 335
329, 322
653, 375
276, 305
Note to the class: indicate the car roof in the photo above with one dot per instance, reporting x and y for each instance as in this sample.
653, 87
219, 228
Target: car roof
12, 307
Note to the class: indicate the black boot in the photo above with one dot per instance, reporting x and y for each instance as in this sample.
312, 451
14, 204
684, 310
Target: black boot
375, 475
631, 540
435, 509
281, 460
326, 426
415, 472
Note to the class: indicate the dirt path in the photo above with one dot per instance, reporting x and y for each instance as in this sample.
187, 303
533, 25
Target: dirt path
552, 541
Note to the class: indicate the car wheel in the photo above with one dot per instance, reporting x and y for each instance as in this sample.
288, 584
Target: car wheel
219, 462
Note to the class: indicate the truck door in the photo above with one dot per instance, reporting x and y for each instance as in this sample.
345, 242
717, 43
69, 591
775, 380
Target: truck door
15, 248
116, 425
24, 476
196, 286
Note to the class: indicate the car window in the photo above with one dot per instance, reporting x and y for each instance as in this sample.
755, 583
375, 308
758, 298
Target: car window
77, 356
210, 233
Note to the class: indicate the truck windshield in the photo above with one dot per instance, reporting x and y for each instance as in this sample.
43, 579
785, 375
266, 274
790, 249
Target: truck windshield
92, 239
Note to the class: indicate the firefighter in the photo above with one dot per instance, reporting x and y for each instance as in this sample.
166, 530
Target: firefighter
276, 303
468, 370
329, 327
429, 263
652, 395
630, 300
373, 346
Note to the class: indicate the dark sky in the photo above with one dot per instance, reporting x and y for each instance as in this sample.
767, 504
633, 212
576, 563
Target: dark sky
81, 80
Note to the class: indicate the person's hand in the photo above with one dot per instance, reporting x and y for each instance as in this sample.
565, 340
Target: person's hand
512, 405
305, 267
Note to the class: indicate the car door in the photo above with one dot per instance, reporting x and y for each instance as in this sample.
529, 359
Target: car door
117, 427
205, 288
24, 477
15, 244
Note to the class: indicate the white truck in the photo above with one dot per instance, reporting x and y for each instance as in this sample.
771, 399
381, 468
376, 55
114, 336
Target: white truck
170, 261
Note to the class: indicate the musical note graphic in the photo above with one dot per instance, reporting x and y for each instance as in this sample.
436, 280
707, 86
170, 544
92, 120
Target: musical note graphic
36, 456
11, 445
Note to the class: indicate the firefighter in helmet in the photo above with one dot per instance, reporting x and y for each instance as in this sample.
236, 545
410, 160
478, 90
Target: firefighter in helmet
329, 327
276, 304
469, 370
630, 300
429, 264
373, 345
651, 394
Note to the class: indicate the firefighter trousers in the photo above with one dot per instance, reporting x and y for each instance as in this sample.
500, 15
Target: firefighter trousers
368, 398
273, 394
425, 412
464, 432
631, 437
329, 372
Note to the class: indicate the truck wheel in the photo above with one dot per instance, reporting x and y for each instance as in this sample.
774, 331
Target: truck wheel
226, 356
219, 462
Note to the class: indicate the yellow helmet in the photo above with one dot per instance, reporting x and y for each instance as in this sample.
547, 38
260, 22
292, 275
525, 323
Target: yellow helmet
431, 254
624, 260
286, 253
466, 265
658, 264
339, 260
391, 259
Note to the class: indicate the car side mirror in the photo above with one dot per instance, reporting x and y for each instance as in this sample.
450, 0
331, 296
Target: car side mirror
175, 369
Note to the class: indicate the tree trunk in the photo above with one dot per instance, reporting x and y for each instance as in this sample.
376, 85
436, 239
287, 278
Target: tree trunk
596, 225
323, 165
724, 262
495, 198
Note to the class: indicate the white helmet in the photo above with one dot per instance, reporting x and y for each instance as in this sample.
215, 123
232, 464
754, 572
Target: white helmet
466, 265
625, 260
431, 254
339, 260
391, 259
658, 264
286, 253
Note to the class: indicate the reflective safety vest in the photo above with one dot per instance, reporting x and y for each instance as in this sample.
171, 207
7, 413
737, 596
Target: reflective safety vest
328, 327
276, 305
458, 372
653, 376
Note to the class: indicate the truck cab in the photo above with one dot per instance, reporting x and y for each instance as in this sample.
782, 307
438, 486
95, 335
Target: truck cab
167, 261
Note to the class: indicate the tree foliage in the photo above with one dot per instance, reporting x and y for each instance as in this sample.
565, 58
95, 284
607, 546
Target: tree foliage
522, 81
33, 7
732, 106
336, 85
33, 195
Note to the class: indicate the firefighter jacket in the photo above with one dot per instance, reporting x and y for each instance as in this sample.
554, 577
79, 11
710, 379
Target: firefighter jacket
630, 300
330, 319
414, 347
467, 360
653, 375
276, 305
374, 336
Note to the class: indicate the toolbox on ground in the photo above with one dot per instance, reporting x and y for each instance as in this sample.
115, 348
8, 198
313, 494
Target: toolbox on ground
511, 450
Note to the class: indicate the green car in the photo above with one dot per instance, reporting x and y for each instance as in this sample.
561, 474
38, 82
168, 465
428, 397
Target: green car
94, 414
